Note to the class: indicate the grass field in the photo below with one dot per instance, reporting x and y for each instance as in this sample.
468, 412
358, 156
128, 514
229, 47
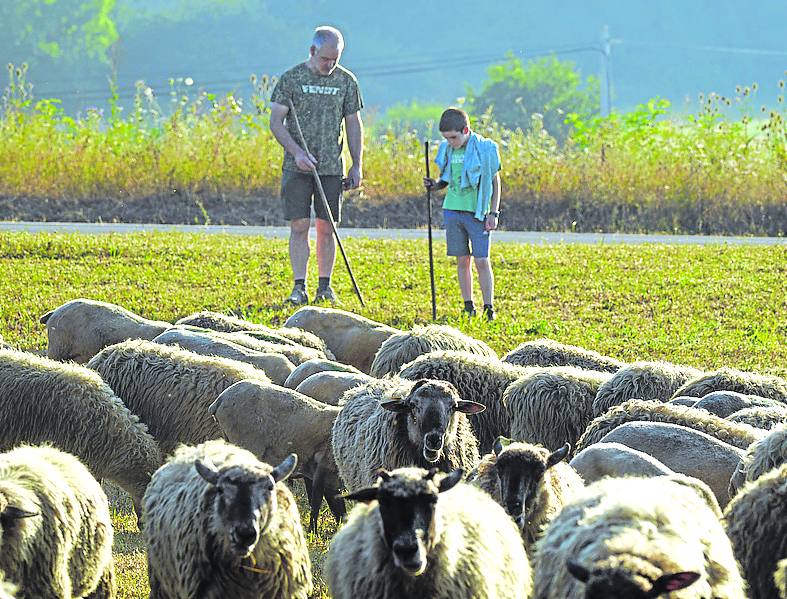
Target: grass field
705, 306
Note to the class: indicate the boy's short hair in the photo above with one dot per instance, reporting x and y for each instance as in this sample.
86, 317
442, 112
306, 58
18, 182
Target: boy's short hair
454, 119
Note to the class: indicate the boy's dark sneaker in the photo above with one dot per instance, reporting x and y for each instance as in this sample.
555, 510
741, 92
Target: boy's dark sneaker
469, 312
325, 295
298, 297
489, 312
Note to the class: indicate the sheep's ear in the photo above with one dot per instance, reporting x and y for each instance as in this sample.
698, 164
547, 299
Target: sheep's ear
577, 570
449, 481
396, 405
383, 474
45, 317
283, 470
558, 455
469, 407
673, 582
207, 470
365, 495
15, 513
501, 443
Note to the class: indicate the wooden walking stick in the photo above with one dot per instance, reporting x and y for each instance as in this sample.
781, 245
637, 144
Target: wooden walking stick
429, 225
325, 204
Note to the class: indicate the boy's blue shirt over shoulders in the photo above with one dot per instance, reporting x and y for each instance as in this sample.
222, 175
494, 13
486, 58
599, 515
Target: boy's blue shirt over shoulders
482, 162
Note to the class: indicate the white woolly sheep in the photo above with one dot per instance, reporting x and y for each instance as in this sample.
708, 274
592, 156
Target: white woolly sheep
756, 522
56, 530
546, 352
71, 407
614, 459
221, 523
272, 422
169, 388
529, 481
329, 387
353, 339
727, 379
425, 534
552, 407
310, 367
642, 380
392, 423
761, 417
725, 403
297, 354
79, 329
761, 456
401, 348
637, 538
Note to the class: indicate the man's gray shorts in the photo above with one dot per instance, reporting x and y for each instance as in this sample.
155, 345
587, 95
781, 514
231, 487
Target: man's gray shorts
463, 229
299, 190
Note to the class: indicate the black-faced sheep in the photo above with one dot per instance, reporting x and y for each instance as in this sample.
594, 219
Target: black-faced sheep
756, 522
761, 417
552, 407
310, 367
727, 379
405, 347
761, 456
353, 339
73, 409
169, 388
726, 403
637, 538
614, 459
529, 481
329, 387
56, 532
220, 523
642, 380
425, 534
272, 422
546, 352
394, 423
79, 329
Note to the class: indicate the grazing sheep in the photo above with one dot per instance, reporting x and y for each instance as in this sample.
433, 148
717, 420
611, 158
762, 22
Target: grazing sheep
756, 522
780, 578
275, 365
727, 379
392, 423
72, 408
169, 388
220, 524
636, 410
546, 352
353, 339
329, 387
405, 347
310, 367
761, 417
297, 354
642, 380
529, 481
761, 456
683, 450
552, 408
614, 459
272, 422
689, 402
725, 403
56, 532
637, 538
79, 329
425, 534
477, 379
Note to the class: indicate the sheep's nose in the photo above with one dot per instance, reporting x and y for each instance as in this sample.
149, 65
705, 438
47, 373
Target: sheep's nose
433, 441
245, 534
514, 508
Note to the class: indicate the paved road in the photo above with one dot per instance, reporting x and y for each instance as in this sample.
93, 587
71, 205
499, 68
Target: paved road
529, 237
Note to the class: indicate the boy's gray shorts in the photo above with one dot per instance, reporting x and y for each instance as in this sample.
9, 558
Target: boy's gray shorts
463, 230
299, 190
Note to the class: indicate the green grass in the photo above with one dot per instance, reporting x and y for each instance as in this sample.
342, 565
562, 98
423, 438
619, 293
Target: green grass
706, 306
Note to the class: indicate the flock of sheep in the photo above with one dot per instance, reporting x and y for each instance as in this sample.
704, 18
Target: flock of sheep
553, 472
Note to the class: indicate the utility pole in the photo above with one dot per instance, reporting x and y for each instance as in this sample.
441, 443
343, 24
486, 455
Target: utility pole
606, 75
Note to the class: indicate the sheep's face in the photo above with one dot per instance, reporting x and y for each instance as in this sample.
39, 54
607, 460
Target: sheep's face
243, 501
619, 583
429, 412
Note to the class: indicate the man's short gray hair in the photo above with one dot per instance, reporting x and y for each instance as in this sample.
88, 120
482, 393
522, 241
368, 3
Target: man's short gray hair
327, 33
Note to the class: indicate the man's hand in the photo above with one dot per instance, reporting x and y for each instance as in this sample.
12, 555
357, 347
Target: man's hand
490, 223
353, 179
305, 161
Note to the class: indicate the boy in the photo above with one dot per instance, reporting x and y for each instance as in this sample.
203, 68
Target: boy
469, 168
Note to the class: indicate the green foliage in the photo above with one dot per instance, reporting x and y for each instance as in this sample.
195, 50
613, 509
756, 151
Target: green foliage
420, 117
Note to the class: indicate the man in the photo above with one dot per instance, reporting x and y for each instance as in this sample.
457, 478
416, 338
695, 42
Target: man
325, 95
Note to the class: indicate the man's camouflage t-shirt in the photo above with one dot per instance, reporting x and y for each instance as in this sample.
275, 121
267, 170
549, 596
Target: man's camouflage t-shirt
321, 103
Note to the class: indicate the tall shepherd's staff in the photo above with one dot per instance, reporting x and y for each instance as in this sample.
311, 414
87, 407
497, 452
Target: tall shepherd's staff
325, 204
429, 224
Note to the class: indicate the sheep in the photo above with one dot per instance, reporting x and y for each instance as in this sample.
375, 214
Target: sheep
405, 347
529, 481
780, 578
79, 329
725, 403
310, 367
56, 530
614, 459
546, 352
636, 410
72, 408
329, 387
760, 417
756, 522
761, 456
689, 402
221, 523
637, 538
426, 534
271, 422
552, 407
683, 450
169, 388
393, 423
297, 354
353, 339
642, 380
476, 378
7, 589
727, 379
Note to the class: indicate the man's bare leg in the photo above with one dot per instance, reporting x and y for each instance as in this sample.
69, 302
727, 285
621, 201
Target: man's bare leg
299, 247
326, 258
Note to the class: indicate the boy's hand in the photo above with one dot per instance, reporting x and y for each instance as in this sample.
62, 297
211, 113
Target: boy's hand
490, 224
430, 184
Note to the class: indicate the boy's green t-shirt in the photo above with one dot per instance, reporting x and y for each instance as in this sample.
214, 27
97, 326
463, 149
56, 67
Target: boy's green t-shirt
458, 198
